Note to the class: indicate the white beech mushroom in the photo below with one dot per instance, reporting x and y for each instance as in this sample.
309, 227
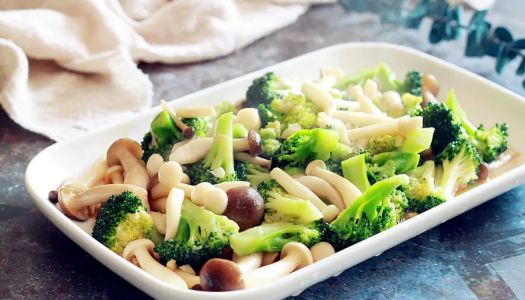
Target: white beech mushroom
95, 173
114, 174
76, 199
359, 118
228, 185
269, 258
247, 263
392, 100
371, 90
256, 160
128, 153
345, 105
322, 250
295, 188
159, 221
153, 164
199, 193
197, 149
400, 126
249, 117
173, 212
322, 189
319, 96
216, 200
205, 111
142, 251
185, 272
170, 175
291, 129
159, 205
348, 191
366, 103
335, 72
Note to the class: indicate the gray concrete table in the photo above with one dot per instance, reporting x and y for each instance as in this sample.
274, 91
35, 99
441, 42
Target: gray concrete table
478, 254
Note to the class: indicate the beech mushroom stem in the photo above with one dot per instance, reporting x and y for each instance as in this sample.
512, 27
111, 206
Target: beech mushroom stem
142, 250
293, 256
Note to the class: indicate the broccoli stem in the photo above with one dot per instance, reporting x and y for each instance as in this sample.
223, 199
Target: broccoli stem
221, 152
417, 140
369, 200
355, 171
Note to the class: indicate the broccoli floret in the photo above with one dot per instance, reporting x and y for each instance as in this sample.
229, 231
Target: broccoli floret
256, 174
224, 107
161, 137
264, 89
265, 114
201, 235
460, 161
378, 209
272, 237
270, 147
422, 192
382, 144
411, 104
355, 170
283, 207
305, 146
489, 142
121, 220
447, 130
388, 164
239, 131
199, 125
218, 166
295, 109
272, 130
264, 188
413, 83
384, 76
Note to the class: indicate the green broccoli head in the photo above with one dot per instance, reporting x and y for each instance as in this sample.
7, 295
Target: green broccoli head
264, 188
283, 207
265, 114
201, 235
460, 162
377, 209
272, 237
411, 104
384, 165
264, 89
199, 125
305, 146
489, 142
447, 130
161, 137
382, 144
422, 192
295, 109
413, 83
121, 220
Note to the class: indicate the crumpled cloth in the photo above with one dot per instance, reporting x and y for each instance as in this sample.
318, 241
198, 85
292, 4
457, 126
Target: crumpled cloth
71, 66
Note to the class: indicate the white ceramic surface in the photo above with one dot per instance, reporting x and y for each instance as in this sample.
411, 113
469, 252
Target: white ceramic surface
482, 99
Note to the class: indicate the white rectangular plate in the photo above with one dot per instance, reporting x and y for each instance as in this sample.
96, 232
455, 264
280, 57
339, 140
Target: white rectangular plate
483, 100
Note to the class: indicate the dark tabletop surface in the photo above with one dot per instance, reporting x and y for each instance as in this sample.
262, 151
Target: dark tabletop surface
480, 254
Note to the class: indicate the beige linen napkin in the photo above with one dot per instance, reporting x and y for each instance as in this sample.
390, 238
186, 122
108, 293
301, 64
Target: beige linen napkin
70, 66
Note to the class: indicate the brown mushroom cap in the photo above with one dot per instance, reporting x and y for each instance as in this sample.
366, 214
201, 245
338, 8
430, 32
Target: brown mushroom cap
300, 251
221, 275
113, 156
245, 207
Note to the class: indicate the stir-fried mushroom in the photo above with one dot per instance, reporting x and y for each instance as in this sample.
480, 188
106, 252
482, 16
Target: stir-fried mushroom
400, 126
173, 212
243, 156
225, 275
249, 117
295, 188
187, 131
359, 118
171, 175
204, 111
159, 221
128, 153
114, 175
185, 272
95, 173
154, 163
142, 252
76, 199
366, 103
196, 149
322, 250
346, 189
319, 96
245, 207
322, 189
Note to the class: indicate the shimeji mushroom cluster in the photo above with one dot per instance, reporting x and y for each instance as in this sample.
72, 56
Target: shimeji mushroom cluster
238, 196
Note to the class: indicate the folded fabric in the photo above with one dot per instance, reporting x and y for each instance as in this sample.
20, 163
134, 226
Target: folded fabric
70, 66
